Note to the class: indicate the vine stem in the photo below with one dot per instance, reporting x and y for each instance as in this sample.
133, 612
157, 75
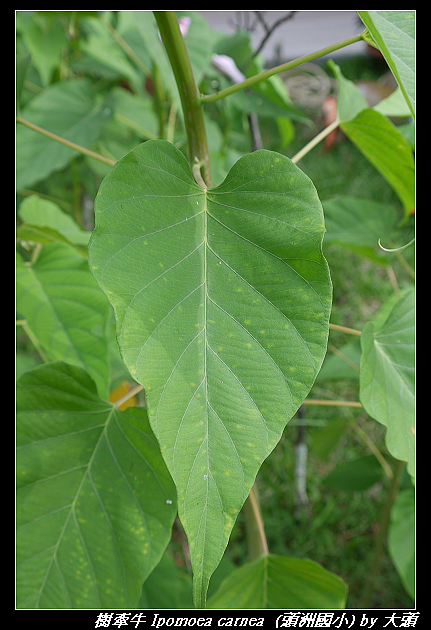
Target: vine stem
266, 74
187, 88
66, 143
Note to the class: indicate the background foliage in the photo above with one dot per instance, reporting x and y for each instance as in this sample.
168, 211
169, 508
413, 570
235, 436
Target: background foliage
103, 82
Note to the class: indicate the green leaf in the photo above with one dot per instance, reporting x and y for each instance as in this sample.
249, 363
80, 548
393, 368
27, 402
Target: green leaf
111, 59
386, 148
401, 538
336, 367
387, 377
45, 41
222, 300
325, 439
49, 224
350, 100
135, 112
139, 30
70, 110
65, 310
357, 224
280, 582
95, 503
22, 66
356, 475
199, 41
394, 34
167, 587
394, 105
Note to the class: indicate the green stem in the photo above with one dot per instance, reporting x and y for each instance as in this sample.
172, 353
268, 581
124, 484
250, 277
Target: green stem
187, 88
210, 98
66, 143
159, 99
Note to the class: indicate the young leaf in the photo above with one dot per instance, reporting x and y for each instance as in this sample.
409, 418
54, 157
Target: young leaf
222, 299
350, 100
387, 377
95, 500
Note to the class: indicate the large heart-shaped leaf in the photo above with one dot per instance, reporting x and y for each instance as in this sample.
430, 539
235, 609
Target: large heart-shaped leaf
222, 299
95, 502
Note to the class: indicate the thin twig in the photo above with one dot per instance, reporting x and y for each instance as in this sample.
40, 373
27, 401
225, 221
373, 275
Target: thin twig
132, 392
125, 46
320, 136
67, 143
266, 74
345, 329
33, 339
332, 403
373, 448
258, 545
343, 357
269, 31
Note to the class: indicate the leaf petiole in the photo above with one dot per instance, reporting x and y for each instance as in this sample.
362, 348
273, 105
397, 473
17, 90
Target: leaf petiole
266, 74
66, 143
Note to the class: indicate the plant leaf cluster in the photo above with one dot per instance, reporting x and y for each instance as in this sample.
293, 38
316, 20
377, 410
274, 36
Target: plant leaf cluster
219, 297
